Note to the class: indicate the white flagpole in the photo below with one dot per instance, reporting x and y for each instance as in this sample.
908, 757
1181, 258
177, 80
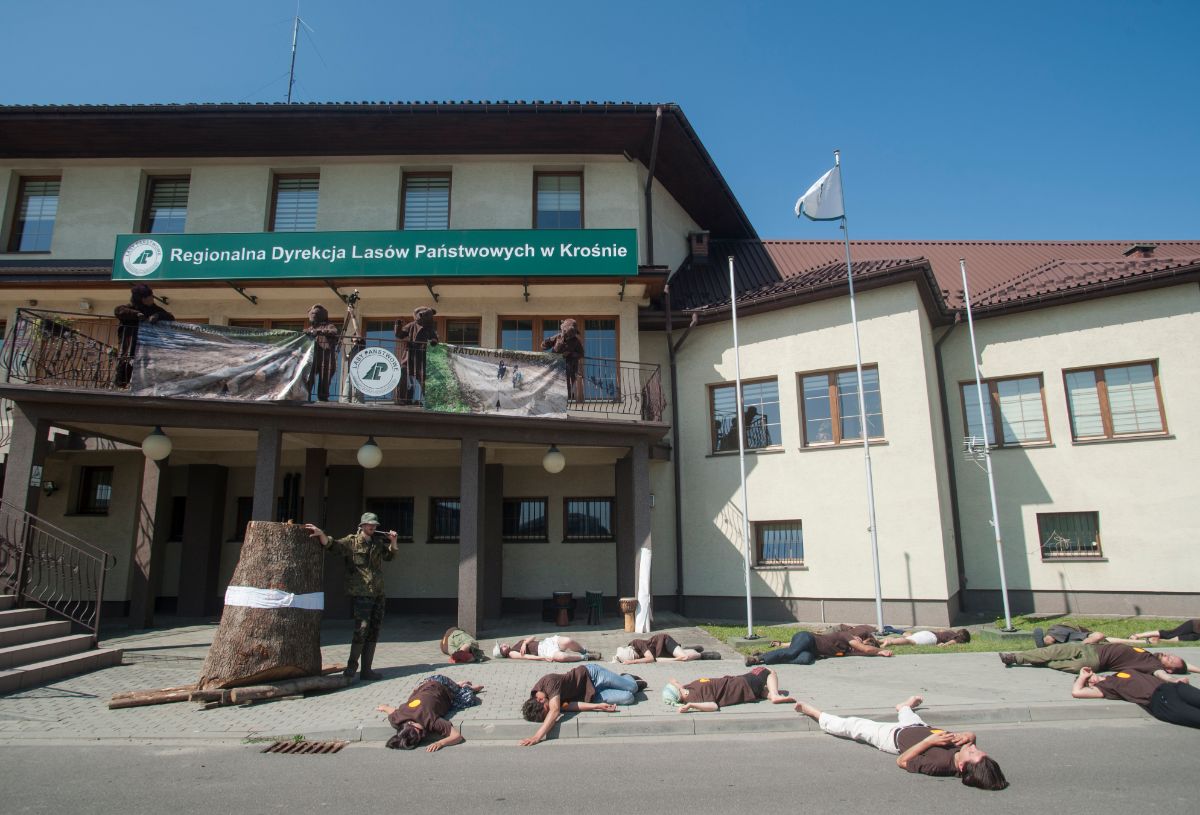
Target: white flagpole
987, 449
737, 373
862, 412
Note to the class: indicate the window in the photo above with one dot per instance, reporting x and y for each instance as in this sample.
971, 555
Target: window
425, 201
1021, 418
558, 200
1069, 534
178, 513
443, 519
394, 513
830, 406
779, 543
462, 331
524, 519
1121, 400
166, 205
601, 348
95, 490
294, 203
34, 214
588, 519
241, 517
760, 401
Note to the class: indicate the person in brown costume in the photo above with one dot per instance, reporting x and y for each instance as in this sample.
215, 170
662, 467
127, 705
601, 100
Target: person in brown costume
415, 338
140, 308
325, 346
567, 343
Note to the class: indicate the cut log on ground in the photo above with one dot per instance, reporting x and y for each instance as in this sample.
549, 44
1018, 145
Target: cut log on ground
255, 645
288, 688
141, 698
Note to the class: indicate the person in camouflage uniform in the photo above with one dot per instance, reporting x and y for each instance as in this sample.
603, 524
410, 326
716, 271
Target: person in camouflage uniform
365, 552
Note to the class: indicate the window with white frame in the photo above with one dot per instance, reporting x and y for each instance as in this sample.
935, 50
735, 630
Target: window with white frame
1069, 534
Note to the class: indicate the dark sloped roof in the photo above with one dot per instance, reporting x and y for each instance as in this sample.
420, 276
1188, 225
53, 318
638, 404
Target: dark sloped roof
683, 165
1002, 274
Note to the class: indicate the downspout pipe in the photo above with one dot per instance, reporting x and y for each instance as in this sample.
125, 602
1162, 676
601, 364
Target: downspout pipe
951, 464
650, 188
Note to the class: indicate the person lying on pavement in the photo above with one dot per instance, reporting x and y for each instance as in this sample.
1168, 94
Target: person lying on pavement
710, 695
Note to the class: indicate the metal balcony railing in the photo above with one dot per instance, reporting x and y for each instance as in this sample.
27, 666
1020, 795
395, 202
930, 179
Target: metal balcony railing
72, 350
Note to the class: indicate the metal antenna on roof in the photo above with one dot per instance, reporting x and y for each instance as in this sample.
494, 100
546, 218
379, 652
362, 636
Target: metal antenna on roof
296, 23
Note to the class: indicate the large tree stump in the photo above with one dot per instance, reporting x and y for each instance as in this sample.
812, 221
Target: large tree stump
255, 646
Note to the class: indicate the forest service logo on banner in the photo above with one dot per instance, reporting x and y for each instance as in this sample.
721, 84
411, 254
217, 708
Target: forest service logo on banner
142, 257
375, 371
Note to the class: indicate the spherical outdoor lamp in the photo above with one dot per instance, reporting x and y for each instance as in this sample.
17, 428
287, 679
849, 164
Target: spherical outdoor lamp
157, 445
369, 455
554, 461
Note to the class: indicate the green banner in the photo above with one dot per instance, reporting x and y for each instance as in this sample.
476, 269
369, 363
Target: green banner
445, 253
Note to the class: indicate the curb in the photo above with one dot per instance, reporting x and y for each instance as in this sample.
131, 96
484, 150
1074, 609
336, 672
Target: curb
575, 727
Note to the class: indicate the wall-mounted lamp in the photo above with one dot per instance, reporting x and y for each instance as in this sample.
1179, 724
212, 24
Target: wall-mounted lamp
157, 445
554, 460
49, 487
369, 455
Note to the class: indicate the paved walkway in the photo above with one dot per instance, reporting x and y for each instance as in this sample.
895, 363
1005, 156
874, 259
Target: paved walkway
960, 689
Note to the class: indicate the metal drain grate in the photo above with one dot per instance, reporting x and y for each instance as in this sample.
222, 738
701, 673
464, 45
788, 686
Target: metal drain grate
320, 748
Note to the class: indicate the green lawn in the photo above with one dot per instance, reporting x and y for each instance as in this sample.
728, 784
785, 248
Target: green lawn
980, 641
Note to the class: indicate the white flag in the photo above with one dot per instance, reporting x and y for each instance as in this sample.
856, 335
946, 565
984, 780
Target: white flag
823, 201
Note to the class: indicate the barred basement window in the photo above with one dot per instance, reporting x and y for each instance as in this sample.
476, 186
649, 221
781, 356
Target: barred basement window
294, 203
443, 519
779, 543
425, 201
394, 513
587, 519
34, 215
166, 205
1069, 534
524, 520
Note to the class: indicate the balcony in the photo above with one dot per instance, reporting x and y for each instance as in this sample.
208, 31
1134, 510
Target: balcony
64, 350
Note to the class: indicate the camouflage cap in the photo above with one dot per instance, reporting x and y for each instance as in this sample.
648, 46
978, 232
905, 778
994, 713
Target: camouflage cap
368, 518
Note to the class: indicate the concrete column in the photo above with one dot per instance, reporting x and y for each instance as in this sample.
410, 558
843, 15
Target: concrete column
27, 449
343, 507
470, 540
149, 539
493, 541
203, 536
315, 460
626, 552
266, 474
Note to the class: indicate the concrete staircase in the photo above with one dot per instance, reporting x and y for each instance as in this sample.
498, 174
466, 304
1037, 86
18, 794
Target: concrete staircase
34, 650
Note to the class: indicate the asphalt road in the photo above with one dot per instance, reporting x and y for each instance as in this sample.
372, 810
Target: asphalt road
1066, 768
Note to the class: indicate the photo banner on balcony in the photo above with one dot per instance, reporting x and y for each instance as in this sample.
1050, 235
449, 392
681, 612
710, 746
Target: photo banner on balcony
220, 362
491, 380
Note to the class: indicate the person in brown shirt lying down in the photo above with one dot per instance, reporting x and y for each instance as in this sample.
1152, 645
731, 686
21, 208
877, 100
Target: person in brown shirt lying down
806, 648
1174, 702
710, 695
919, 748
422, 715
660, 646
574, 691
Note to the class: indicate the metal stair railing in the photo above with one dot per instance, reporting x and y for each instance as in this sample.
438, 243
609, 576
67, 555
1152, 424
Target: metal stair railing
50, 567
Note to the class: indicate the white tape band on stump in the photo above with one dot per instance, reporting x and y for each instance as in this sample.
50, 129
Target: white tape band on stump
273, 598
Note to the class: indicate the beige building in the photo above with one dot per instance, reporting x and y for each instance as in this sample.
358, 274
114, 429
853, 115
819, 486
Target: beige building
1085, 349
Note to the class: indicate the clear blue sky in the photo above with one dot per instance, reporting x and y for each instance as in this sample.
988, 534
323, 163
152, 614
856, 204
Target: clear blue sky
1039, 120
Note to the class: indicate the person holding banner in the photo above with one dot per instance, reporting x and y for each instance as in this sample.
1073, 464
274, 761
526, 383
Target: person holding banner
325, 345
567, 343
414, 339
140, 308
365, 552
